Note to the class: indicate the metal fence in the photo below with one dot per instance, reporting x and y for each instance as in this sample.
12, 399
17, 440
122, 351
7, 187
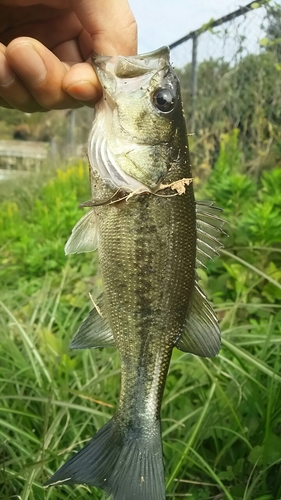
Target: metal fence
228, 39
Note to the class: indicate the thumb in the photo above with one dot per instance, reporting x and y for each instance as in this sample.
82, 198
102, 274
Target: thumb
110, 23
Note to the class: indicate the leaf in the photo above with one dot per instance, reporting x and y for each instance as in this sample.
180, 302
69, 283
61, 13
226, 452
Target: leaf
238, 466
227, 474
256, 454
207, 26
265, 497
272, 449
49, 339
255, 5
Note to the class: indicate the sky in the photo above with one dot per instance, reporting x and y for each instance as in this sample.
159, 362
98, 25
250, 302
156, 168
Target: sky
161, 22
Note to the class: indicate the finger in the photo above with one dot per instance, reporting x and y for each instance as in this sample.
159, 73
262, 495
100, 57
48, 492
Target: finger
81, 83
5, 104
111, 24
13, 93
36, 22
7, 75
59, 4
40, 71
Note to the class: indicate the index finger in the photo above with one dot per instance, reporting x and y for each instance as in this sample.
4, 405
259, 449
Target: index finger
110, 23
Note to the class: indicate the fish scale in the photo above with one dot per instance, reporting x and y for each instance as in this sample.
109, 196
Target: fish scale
125, 267
150, 236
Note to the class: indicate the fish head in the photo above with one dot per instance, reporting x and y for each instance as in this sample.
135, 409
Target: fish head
138, 118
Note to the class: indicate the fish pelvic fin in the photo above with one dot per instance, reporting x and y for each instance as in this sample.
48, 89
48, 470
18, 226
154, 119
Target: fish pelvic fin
125, 465
201, 332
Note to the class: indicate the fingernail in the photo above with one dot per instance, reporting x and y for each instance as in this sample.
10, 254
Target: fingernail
83, 91
7, 75
28, 63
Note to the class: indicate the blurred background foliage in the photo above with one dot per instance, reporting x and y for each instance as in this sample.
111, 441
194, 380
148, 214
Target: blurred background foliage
242, 91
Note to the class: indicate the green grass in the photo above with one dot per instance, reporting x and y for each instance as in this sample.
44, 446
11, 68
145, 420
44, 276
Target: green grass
221, 417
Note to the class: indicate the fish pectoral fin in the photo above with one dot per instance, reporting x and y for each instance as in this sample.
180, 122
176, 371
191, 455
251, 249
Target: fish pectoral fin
209, 227
201, 334
84, 235
94, 331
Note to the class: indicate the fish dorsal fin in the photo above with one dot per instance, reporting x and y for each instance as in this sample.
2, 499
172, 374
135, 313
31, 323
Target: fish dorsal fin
208, 227
84, 235
201, 333
94, 331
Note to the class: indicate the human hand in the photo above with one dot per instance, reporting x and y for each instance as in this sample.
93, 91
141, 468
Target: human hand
45, 48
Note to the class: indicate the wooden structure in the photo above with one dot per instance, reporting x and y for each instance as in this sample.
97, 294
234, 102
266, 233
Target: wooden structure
20, 157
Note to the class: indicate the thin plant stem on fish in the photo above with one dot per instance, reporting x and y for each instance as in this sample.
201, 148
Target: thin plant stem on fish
149, 246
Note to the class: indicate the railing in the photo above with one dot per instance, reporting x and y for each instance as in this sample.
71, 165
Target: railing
241, 32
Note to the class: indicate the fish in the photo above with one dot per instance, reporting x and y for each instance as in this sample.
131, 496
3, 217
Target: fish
151, 237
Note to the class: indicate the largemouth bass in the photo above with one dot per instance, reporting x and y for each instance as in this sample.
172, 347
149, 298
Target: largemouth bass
151, 235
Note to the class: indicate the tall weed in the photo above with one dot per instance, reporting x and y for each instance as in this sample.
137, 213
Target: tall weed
253, 211
221, 417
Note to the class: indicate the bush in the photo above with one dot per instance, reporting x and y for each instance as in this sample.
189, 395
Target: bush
32, 235
253, 211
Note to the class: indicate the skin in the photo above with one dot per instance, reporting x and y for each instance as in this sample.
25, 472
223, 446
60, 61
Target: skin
45, 49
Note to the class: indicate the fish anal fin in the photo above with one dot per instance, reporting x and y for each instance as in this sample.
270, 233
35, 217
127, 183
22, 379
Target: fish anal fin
94, 331
201, 332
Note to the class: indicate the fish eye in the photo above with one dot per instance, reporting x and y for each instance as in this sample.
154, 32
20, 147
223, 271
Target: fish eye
164, 100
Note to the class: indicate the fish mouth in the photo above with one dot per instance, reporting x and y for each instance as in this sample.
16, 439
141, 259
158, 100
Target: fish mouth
132, 66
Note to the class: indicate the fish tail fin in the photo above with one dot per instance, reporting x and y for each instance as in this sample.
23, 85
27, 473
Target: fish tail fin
124, 463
